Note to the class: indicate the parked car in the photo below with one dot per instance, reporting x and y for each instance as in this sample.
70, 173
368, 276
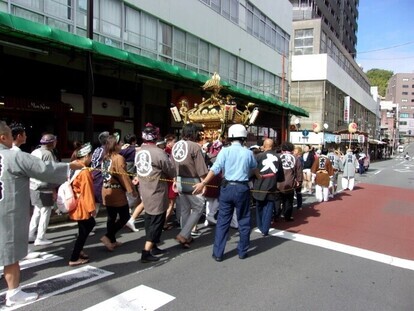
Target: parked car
400, 149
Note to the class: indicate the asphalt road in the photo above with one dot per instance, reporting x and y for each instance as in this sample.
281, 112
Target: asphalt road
287, 271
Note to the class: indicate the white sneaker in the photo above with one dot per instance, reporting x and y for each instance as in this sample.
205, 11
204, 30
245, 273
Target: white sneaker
32, 238
39, 242
131, 225
20, 297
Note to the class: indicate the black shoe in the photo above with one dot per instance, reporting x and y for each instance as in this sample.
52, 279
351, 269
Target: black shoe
146, 256
218, 259
243, 256
289, 219
157, 251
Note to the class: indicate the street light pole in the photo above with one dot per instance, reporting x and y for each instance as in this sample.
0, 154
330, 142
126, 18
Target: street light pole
325, 127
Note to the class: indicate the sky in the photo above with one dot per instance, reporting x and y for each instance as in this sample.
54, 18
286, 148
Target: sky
386, 35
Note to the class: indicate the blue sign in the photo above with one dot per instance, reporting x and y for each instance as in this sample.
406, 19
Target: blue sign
305, 133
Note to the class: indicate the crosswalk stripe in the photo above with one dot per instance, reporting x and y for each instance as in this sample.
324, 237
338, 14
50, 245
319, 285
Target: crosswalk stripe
60, 283
343, 248
139, 298
42, 258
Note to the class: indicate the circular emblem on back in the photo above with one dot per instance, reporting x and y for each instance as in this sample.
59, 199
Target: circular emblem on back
180, 151
143, 163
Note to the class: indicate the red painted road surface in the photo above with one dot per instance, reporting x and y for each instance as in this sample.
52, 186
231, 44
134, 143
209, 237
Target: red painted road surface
372, 217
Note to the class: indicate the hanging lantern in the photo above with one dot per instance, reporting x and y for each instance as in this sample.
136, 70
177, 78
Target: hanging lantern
316, 127
352, 127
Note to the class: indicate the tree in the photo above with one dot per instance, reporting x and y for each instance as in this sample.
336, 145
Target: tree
380, 78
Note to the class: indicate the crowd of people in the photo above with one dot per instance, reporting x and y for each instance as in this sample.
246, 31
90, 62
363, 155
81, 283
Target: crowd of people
162, 178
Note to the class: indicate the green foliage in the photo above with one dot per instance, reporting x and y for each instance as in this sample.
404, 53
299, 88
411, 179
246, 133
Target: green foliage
380, 78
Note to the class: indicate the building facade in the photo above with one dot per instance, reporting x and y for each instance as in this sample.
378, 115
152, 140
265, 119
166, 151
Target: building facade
114, 65
400, 91
325, 80
389, 123
339, 16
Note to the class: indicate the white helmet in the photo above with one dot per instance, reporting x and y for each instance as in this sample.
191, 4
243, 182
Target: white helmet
237, 131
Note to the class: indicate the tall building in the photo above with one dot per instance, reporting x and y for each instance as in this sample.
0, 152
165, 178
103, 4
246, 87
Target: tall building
339, 16
400, 91
115, 65
326, 81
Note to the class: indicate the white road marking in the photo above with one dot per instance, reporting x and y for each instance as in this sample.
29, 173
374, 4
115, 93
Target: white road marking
139, 298
43, 258
343, 248
60, 283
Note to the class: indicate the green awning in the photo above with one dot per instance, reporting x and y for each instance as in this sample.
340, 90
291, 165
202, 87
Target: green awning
43, 34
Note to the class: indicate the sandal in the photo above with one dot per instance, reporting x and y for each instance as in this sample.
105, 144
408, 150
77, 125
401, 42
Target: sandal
82, 255
117, 244
105, 241
78, 262
168, 227
183, 241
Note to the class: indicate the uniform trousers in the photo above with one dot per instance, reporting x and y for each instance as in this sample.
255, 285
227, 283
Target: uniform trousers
233, 196
191, 208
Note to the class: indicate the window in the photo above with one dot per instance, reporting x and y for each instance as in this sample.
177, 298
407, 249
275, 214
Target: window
165, 39
110, 17
214, 59
403, 122
404, 93
241, 72
148, 34
132, 26
192, 50
303, 44
58, 8
404, 100
405, 86
203, 57
404, 115
179, 45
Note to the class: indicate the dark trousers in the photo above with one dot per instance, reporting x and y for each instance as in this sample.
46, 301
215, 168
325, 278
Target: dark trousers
84, 228
233, 197
113, 223
154, 225
285, 199
264, 210
299, 198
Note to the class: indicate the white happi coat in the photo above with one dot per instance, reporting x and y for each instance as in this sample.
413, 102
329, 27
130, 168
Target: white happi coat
16, 167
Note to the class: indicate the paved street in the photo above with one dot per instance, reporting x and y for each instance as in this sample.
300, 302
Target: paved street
353, 253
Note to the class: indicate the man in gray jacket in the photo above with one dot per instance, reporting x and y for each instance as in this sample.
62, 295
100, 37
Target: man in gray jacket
42, 195
16, 168
154, 168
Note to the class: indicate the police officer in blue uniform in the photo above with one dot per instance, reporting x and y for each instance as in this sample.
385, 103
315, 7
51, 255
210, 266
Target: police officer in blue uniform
236, 163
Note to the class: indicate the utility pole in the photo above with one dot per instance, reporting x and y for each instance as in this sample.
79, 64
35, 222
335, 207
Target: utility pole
89, 79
